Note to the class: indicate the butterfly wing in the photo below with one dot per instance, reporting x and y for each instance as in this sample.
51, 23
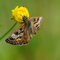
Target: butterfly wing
36, 24
19, 37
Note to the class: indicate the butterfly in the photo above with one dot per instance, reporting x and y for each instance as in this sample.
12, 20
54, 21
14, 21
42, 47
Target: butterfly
24, 33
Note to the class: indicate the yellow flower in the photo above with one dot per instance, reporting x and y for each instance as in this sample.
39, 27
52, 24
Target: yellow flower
18, 13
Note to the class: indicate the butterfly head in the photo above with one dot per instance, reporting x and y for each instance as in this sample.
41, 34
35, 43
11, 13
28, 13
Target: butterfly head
25, 18
27, 22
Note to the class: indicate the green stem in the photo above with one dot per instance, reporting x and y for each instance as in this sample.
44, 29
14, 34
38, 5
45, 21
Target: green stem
8, 31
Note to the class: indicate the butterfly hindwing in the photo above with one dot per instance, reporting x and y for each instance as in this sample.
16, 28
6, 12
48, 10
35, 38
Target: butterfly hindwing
36, 23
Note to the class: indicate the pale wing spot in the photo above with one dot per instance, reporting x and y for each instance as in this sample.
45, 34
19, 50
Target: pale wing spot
40, 19
19, 31
18, 36
30, 36
38, 25
19, 39
21, 34
14, 36
34, 24
38, 22
36, 19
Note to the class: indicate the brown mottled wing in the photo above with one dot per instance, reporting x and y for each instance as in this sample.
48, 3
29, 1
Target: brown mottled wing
19, 37
36, 24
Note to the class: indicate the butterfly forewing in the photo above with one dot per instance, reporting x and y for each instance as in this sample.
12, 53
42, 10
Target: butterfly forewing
19, 37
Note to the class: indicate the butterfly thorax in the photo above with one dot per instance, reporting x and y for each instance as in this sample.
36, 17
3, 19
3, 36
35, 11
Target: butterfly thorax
27, 22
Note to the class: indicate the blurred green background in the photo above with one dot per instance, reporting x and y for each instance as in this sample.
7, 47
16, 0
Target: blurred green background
43, 46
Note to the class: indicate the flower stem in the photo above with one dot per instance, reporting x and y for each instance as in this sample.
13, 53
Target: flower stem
7, 31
